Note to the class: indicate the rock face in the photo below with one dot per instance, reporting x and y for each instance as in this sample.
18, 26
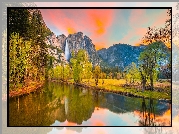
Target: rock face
56, 41
77, 41
55, 46
120, 54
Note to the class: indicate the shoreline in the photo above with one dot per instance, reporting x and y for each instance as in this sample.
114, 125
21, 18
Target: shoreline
25, 90
124, 93
112, 91
128, 94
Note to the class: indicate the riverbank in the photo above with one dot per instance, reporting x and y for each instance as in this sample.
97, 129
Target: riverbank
32, 87
108, 85
162, 90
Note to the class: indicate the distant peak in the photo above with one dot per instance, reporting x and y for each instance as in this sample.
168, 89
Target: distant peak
102, 49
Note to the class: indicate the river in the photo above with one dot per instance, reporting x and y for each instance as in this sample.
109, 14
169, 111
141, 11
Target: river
57, 104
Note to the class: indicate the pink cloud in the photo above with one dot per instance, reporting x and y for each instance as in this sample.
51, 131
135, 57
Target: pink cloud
94, 22
141, 31
160, 20
136, 17
137, 32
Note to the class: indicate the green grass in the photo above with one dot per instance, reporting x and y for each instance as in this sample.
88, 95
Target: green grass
116, 85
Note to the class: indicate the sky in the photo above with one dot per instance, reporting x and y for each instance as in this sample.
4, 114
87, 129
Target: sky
105, 27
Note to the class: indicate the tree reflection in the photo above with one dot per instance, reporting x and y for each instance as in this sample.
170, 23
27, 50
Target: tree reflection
148, 118
67, 103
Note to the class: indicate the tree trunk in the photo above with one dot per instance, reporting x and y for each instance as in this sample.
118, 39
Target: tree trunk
143, 84
151, 81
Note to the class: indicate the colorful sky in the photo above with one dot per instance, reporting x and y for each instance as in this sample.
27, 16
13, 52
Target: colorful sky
105, 26
100, 130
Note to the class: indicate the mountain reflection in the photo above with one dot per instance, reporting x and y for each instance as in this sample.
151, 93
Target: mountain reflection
68, 105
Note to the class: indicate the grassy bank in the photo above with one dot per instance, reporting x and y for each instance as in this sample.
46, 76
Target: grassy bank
31, 87
107, 85
117, 86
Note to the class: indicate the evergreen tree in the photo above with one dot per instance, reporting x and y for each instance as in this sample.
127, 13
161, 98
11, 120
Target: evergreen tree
19, 22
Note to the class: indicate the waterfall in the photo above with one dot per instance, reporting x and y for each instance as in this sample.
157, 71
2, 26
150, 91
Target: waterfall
67, 53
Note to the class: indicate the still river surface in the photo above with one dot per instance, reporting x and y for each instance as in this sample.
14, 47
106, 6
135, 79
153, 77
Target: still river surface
68, 105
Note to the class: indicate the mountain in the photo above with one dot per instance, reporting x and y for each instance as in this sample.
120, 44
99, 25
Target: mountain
120, 55
78, 41
75, 42
56, 41
55, 46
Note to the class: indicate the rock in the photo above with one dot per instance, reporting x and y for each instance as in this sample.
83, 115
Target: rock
122, 55
55, 47
77, 41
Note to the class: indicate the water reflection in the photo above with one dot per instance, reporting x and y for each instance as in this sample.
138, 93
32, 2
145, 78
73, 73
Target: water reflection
148, 116
67, 105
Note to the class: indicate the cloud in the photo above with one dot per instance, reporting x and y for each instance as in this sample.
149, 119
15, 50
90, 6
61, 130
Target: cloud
99, 45
94, 23
136, 17
136, 31
134, 36
100, 20
160, 19
139, 20
102, 25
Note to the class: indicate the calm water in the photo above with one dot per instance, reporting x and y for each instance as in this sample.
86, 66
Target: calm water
66, 105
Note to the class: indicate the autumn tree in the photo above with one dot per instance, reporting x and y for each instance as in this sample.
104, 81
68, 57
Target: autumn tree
103, 75
118, 76
110, 75
159, 34
143, 73
66, 72
28, 57
132, 73
96, 73
150, 58
149, 61
19, 56
81, 66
